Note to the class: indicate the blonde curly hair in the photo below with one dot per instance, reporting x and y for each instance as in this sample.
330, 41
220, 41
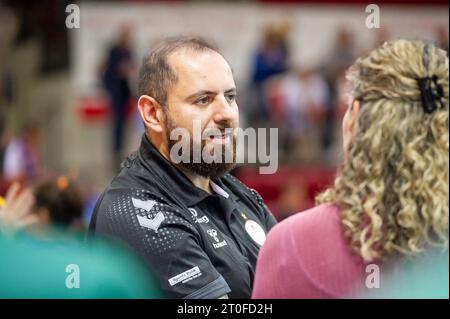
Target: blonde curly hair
393, 187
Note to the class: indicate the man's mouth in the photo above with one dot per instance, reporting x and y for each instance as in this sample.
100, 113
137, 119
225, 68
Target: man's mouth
223, 138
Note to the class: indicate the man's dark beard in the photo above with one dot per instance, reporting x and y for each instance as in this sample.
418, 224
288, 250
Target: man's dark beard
207, 170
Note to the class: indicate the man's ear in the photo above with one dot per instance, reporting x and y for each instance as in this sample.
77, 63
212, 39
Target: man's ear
151, 113
353, 116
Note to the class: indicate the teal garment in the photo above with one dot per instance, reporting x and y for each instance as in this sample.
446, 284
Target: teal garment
425, 277
33, 268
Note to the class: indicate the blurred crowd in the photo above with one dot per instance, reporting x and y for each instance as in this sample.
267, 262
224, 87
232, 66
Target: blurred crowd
305, 103
47, 207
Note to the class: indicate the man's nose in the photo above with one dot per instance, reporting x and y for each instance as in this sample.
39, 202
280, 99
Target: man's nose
223, 111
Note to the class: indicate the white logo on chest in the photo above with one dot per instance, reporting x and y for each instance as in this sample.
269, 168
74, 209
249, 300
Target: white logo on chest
255, 231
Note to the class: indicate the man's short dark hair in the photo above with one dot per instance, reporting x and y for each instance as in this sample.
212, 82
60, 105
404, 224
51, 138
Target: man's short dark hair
156, 75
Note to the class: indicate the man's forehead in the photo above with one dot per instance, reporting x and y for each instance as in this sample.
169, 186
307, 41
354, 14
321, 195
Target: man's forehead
200, 68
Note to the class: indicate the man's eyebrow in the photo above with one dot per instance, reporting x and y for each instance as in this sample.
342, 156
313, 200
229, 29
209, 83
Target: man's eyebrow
232, 90
202, 92
206, 92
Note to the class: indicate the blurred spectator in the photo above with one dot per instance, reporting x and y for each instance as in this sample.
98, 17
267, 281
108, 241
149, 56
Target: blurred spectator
108, 271
22, 159
270, 59
16, 209
54, 204
381, 36
293, 198
390, 199
339, 59
58, 202
297, 102
117, 71
442, 37
52, 269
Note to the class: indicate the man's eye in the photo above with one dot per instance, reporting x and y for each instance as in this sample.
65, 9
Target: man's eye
231, 98
203, 100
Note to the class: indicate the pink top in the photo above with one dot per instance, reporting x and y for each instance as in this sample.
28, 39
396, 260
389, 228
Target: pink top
307, 256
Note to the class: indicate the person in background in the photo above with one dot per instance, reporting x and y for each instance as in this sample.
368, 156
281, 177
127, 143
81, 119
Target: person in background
16, 209
390, 200
58, 202
333, 71
442, 37
298, 101
270, 59
293, 198
117, 71
31, 267
22, 159
68, 269
52, 204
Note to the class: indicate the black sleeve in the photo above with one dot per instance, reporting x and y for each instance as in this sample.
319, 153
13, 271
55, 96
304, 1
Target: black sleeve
165, 238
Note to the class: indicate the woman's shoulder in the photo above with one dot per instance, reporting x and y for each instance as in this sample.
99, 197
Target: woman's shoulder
322, 217
317, 246
314, 235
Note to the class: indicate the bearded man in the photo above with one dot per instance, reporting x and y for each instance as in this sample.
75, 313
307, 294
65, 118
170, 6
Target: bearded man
198, 229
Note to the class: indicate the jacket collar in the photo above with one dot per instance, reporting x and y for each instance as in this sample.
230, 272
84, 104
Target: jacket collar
175, 181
